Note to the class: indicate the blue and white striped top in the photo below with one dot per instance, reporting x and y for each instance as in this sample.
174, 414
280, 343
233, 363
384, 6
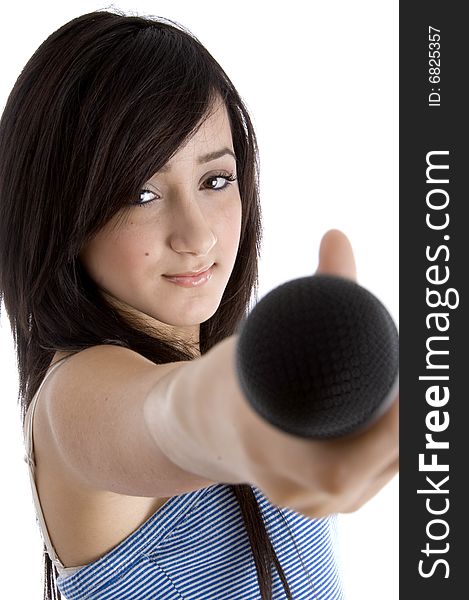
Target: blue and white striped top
196, 547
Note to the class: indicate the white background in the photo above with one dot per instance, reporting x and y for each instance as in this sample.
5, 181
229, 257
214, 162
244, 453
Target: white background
320, 80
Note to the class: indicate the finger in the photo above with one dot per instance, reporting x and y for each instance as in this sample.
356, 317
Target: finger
336, 255
374, 488
365, 455
346, 486
352, 502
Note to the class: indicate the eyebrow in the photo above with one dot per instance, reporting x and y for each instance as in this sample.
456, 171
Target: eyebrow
205, 158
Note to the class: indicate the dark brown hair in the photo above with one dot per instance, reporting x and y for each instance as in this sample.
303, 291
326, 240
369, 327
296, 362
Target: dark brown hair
103, 104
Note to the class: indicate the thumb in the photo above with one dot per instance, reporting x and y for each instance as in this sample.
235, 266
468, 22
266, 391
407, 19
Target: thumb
336, 255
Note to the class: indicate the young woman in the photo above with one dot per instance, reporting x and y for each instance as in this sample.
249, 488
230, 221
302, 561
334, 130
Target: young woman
129, 238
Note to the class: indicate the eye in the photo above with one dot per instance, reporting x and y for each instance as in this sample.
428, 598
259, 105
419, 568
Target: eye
227, 177
145, 194
145, 197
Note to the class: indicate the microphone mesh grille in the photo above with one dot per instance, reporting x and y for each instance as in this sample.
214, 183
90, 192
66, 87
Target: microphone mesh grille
317, 356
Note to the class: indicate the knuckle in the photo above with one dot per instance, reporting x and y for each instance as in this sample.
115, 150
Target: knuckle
336, 480
352, 507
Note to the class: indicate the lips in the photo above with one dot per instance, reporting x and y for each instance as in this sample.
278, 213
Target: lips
190, 281
190, 273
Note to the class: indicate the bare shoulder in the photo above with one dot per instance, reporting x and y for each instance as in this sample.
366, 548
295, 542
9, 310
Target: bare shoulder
92, 418
94, 365
90, 512
99, 375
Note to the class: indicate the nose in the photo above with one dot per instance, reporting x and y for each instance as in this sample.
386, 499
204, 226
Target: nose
191, 232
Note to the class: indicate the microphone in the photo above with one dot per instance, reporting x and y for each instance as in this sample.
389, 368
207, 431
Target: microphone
318, 357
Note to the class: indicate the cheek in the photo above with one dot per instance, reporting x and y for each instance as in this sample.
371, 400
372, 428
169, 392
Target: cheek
114, 261
230, 225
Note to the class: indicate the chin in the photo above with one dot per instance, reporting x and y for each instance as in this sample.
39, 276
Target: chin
194, 317
187, 321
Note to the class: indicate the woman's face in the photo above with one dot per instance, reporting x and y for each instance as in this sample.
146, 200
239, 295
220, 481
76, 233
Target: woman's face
189, 218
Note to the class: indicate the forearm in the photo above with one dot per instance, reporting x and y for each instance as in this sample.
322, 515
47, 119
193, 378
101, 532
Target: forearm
200, 418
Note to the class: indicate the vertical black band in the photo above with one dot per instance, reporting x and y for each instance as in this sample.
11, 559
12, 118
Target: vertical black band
434, 238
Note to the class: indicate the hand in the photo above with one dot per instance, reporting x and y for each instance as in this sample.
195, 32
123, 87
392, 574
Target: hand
321, 477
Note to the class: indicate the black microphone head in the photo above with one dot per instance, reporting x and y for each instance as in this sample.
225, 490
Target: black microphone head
318, 357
